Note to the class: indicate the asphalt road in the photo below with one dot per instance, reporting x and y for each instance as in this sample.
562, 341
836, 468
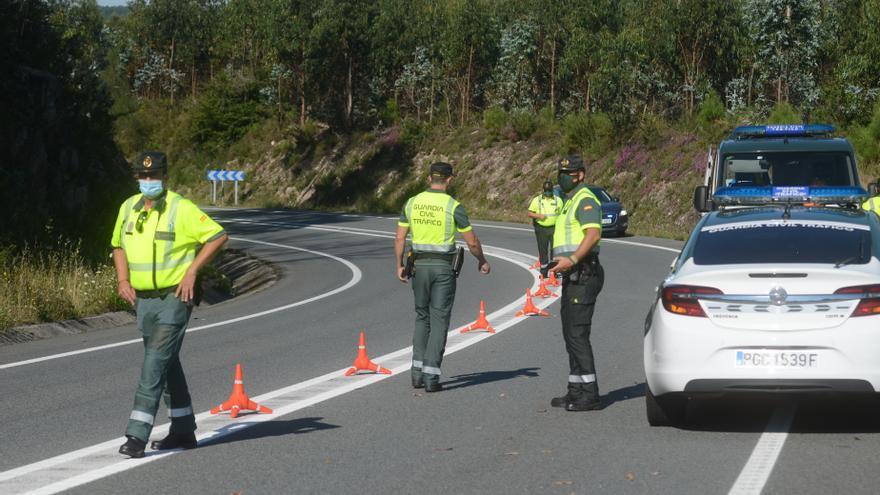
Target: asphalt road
491, 431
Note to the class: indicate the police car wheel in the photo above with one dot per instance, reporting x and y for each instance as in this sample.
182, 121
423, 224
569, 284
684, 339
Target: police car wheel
668, 410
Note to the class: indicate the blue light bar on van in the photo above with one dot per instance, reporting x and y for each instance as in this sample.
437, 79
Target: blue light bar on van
782, 130
742, 196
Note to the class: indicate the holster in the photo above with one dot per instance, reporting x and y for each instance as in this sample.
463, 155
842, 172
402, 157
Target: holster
583, 270
457, 261
409, 263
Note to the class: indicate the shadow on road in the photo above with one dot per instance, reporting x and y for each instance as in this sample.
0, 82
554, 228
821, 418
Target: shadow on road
750, 414
631, 392
252, 431
471, 379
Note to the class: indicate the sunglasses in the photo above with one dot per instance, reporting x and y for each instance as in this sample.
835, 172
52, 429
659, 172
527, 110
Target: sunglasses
139, 224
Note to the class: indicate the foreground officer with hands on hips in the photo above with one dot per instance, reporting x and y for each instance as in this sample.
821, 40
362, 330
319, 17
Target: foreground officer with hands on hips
576, 253
433, 216
156, 252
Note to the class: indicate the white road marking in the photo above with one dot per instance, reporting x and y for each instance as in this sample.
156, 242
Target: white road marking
757, 470
98, 461
355, 278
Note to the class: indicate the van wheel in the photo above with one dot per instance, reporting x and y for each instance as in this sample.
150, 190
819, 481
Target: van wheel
666, 410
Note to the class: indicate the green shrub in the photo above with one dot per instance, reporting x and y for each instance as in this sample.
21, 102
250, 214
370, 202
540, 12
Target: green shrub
784, 113
866, 140
495, 120
587, 132
524, 123
710, 117
224, 113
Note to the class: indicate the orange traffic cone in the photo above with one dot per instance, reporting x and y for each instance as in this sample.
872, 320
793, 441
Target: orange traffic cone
363, 363
543, 291
553, 281
536, 266
239, 400
482, 323
529, 309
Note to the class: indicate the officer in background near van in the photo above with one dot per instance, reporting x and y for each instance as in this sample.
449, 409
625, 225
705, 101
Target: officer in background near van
156, 252
433, 216
576, 253
543, 211
873, 204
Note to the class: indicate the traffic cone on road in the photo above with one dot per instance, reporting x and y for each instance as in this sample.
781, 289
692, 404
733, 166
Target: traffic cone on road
529, 309
239, 400
481, 323
553, 281
363, 363
536, 266
543, 291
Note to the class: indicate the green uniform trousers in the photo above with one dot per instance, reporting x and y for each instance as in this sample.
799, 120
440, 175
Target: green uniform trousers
434, 292
544, 235
578, 302
162, 321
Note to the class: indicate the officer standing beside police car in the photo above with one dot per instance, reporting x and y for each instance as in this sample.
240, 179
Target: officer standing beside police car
576, 237
433, 217
160, 241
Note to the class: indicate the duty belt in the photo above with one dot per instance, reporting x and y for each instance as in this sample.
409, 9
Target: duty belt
435, 256
152, 294
583, 270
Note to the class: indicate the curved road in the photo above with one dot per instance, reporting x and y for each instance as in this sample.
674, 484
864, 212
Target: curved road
66, 400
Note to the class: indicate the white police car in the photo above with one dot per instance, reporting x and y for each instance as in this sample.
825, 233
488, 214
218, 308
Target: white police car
779, 296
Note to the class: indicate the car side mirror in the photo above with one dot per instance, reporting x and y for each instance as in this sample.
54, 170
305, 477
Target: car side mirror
701, 199
872, 189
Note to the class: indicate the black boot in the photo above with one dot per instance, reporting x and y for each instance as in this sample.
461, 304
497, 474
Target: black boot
433, 387
133, 447
175, 441
418, 382
585, 405
561, 401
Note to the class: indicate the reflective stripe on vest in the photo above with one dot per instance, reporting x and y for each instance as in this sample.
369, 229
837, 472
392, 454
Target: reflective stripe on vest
568, 234
431, 220
551, 216
157, 257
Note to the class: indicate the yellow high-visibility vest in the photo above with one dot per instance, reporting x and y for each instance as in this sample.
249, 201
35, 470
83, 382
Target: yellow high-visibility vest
872, 204
568, 233
430, 216
546, 206
160, 244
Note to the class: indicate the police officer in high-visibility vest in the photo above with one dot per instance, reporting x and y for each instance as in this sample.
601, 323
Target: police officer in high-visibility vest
543, 211
160, 242
576, 253
873, 204
433, 216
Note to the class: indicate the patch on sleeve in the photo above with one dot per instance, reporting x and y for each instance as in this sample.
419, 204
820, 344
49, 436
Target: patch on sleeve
204, 217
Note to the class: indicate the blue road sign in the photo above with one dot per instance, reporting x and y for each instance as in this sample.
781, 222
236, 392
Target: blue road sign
224, 175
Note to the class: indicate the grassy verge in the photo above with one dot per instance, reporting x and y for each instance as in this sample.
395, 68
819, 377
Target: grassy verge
51, 285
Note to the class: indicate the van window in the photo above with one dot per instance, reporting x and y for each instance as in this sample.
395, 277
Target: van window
827, 168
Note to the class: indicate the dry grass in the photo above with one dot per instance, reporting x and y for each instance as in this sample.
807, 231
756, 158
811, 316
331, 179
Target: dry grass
51, 285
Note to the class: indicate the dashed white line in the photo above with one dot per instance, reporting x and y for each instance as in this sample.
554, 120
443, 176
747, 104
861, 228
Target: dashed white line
757, 470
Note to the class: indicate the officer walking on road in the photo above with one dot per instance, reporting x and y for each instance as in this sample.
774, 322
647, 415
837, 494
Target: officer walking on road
156, 244
433, 216
543, 211
576, 253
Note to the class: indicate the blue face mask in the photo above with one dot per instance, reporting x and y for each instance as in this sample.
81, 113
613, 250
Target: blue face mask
152, 189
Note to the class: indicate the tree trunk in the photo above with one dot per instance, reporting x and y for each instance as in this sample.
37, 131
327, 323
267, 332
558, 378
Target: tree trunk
193, 81
466, 94
302, 97
587, 99
348, 90
170, 67
431, 100
553, 78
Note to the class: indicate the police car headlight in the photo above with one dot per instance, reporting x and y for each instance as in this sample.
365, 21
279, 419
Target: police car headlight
623, 213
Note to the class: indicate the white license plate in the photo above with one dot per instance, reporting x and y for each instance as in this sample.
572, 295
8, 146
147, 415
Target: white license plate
776, 359
606, 221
